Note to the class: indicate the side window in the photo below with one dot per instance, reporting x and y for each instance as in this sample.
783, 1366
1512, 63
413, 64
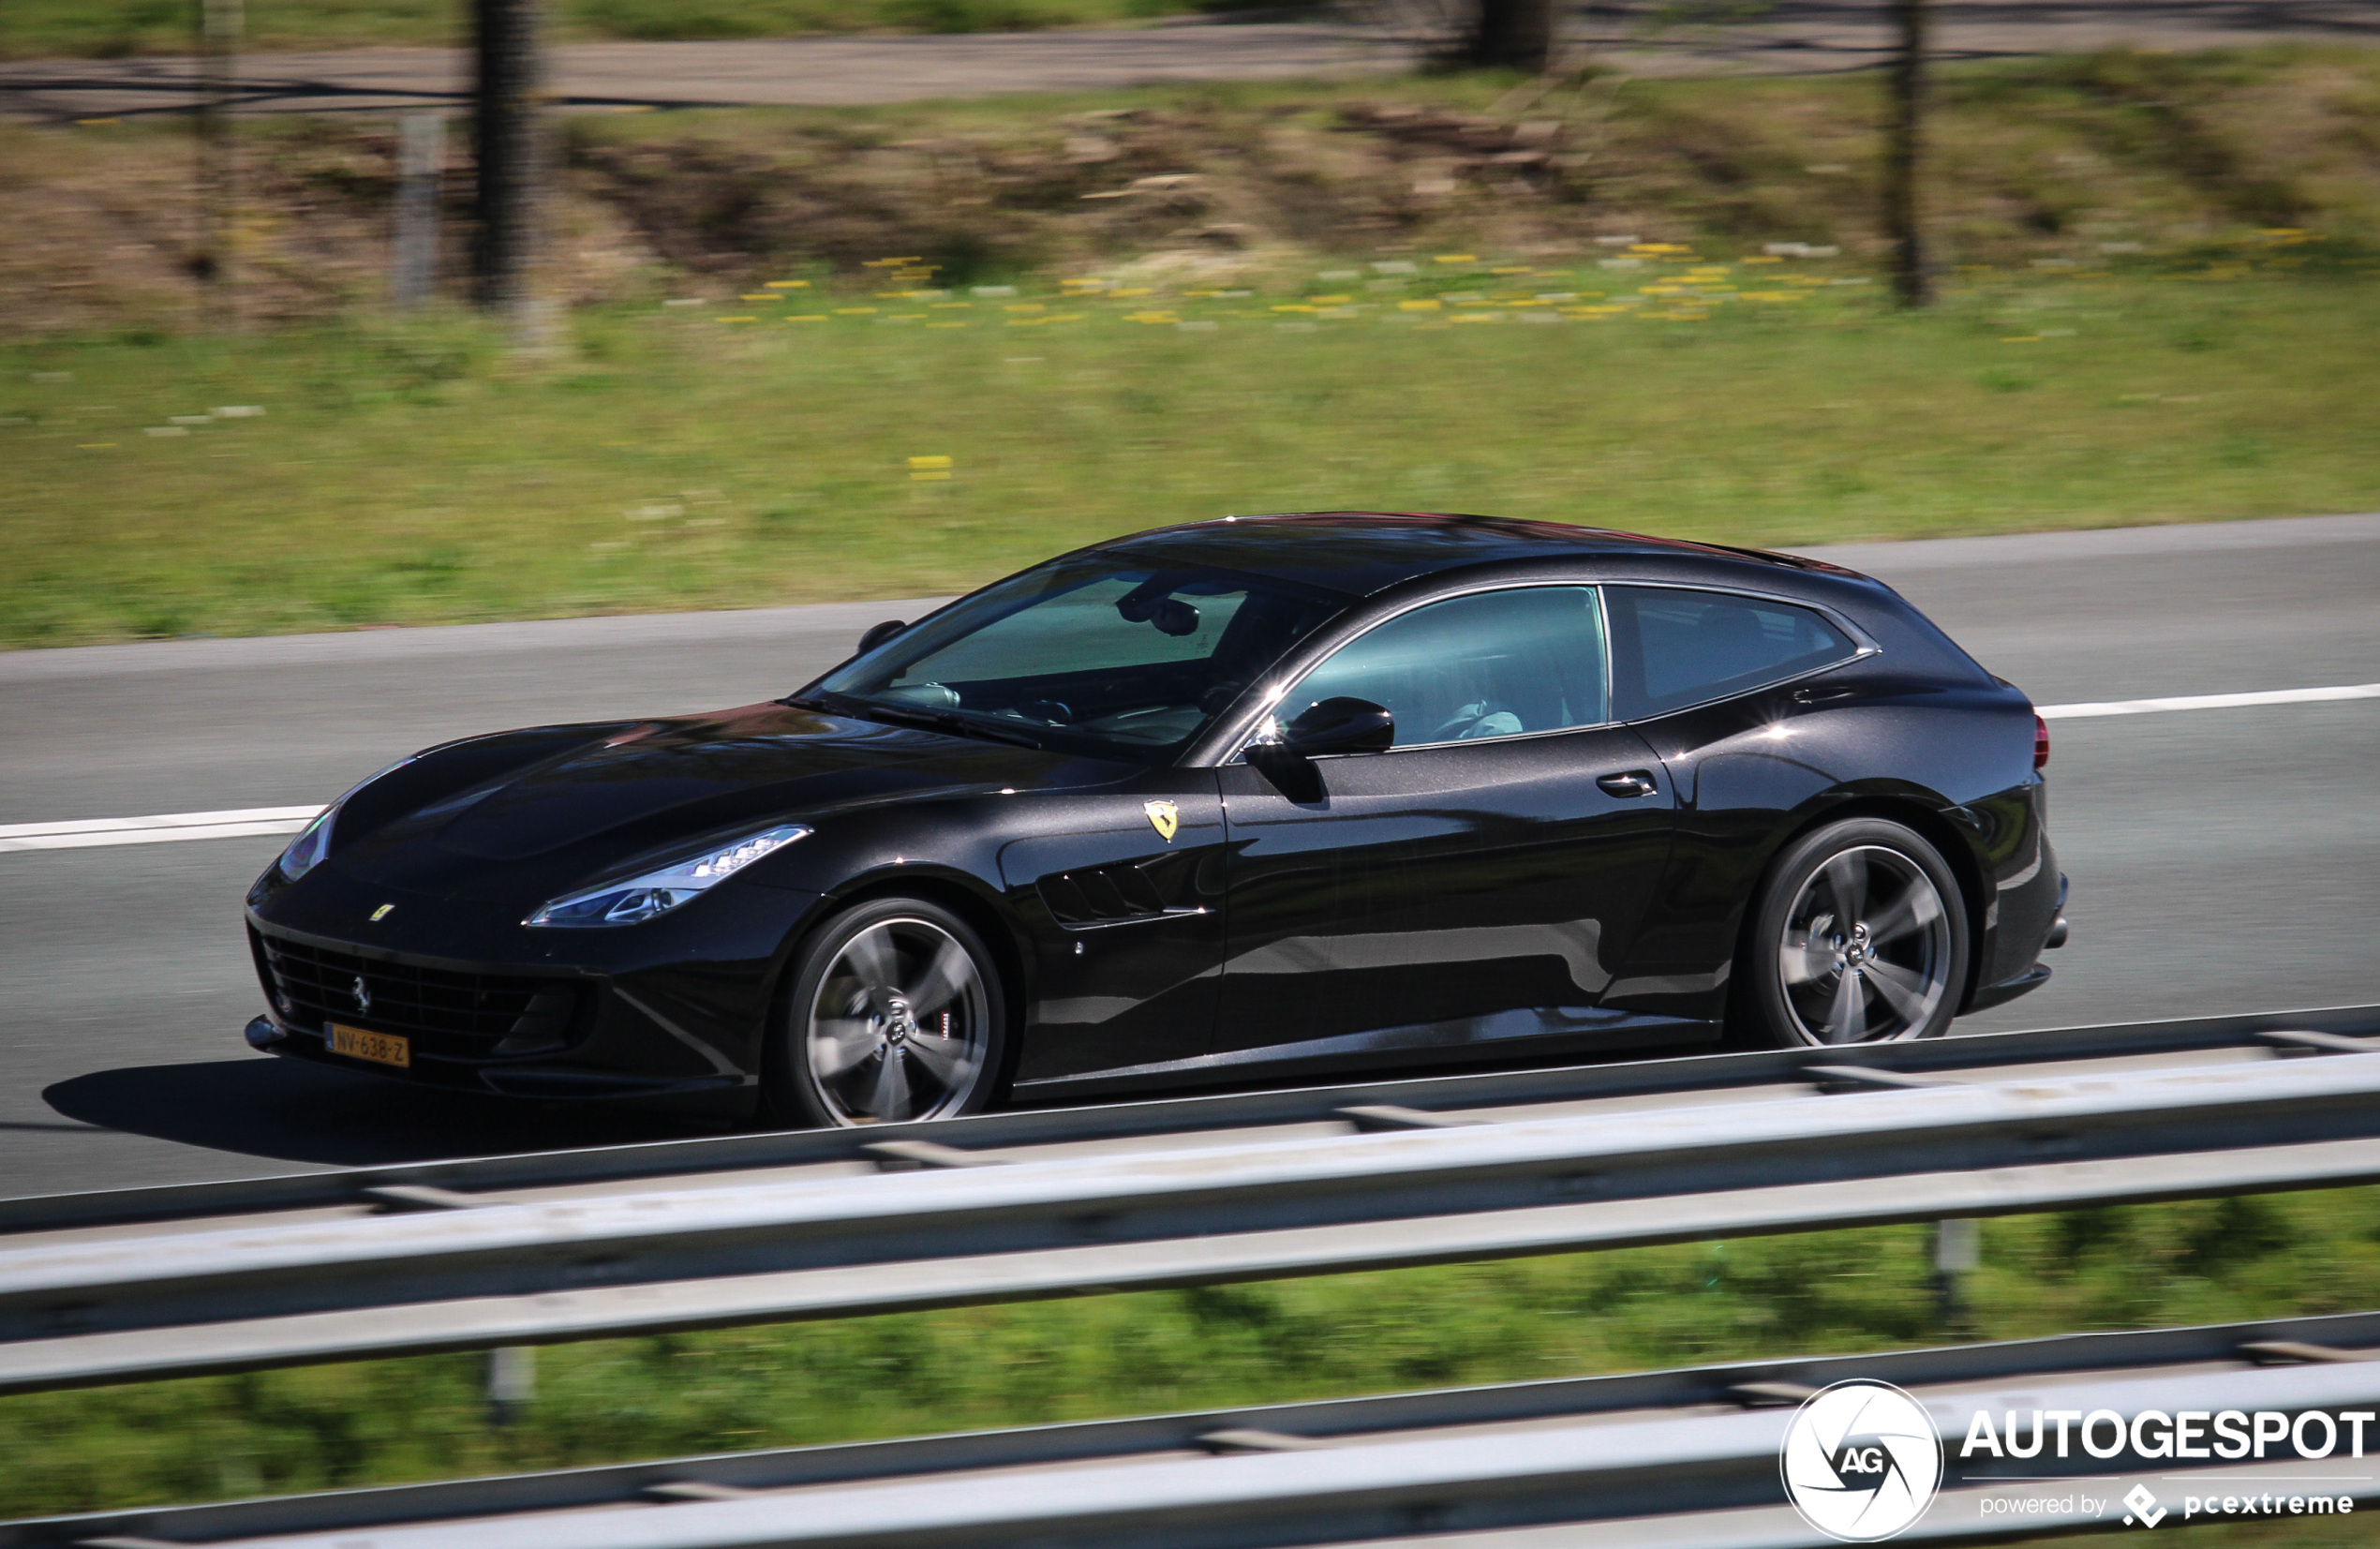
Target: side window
1671, 648
1495, 663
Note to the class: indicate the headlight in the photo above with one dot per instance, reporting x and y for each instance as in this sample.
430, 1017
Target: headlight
312, 842
649, 893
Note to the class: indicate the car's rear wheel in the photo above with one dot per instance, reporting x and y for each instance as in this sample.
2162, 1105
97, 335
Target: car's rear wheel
895, 1014
1859, 935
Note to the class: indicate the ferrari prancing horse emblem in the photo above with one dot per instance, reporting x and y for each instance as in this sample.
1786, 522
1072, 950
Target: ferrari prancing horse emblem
1165, 817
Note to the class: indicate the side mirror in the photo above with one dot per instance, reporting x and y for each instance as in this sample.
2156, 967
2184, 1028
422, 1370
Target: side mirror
1334, 726
1340, 726
880, 634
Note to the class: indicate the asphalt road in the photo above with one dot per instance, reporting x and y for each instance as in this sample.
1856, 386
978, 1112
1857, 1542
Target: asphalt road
2223, 860
1798, 36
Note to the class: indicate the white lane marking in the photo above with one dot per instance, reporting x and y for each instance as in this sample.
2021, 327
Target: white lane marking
2208, 701
83, 833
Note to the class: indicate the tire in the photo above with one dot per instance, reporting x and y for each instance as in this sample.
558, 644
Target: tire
1896, 970
895, 1013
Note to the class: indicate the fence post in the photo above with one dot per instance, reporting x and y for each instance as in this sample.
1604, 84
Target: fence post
219, 25
421, 170
1904, 152
512, 155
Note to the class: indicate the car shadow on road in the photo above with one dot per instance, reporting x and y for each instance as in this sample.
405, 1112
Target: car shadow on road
303, 1113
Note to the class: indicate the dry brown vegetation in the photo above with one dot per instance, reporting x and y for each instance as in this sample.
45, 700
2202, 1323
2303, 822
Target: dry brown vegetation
2042, 160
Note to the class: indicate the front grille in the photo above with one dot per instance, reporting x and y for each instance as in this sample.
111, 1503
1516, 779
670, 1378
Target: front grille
448, 1015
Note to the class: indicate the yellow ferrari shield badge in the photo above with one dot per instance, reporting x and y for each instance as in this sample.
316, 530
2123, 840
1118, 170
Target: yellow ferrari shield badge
1165, 817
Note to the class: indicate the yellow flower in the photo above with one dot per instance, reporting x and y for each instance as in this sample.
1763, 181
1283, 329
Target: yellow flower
923, 470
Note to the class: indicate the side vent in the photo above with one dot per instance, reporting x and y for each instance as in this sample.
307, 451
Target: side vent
1102, 895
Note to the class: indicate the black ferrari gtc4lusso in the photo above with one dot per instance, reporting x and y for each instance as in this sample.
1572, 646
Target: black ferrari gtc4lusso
1242, 800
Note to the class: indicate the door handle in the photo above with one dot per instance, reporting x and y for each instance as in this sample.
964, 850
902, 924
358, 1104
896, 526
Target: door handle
1630, 782
1820, 695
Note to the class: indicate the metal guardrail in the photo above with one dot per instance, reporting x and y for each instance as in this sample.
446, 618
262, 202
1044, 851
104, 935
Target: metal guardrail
966, 1224
1685, 1459
608, 1166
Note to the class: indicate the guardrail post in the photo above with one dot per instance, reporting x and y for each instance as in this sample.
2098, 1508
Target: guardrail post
1959, 1248
512, 1382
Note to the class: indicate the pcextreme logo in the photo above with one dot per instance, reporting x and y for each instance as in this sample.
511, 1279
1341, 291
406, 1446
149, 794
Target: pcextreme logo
1860, 1461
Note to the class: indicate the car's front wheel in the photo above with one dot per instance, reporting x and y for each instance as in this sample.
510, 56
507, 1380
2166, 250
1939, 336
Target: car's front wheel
895, 1014
1859, 935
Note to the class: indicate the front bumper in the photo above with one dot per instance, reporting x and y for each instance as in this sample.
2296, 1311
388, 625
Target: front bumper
673, 1012
730, 1093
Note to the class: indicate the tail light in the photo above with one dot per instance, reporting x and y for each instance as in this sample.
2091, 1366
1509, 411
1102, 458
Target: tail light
2040, 743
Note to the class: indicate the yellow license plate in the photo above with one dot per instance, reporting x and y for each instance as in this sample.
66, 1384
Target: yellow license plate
378, 1048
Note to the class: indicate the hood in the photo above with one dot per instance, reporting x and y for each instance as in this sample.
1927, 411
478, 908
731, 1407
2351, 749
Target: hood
625, 793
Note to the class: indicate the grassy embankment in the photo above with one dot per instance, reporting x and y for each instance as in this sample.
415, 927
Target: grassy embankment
2053, 160
36, 29
1150, 1351
758, 451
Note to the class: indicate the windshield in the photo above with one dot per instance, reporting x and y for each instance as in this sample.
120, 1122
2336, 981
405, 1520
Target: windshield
1086, 654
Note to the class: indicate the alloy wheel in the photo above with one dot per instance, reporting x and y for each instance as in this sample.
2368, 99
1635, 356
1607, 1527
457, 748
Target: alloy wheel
899, 1026
1865, 953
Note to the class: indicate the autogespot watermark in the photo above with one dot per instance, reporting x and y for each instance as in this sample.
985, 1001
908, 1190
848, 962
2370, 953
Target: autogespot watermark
1863, 1462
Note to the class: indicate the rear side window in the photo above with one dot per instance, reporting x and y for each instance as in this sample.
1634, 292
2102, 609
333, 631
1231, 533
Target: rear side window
1672, 648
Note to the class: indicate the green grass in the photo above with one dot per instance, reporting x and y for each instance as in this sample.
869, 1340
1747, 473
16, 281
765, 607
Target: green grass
384, 1421
111, 28
681, 459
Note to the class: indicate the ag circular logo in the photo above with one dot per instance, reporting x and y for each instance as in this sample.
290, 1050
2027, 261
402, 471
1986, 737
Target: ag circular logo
1860, 1461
